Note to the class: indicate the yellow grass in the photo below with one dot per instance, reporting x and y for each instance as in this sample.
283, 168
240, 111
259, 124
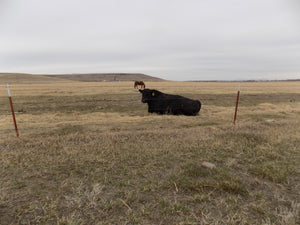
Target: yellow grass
91, 88
90, 153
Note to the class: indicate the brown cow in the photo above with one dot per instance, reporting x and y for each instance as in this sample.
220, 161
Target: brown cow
140, 84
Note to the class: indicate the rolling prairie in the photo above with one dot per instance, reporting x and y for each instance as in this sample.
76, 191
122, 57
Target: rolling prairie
90, 153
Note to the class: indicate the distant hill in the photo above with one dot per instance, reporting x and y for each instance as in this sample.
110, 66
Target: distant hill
24, 78
98, 77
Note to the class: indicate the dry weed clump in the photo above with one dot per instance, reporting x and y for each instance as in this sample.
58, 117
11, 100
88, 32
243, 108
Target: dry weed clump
86, 158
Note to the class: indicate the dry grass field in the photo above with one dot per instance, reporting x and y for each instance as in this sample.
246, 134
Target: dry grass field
90, 153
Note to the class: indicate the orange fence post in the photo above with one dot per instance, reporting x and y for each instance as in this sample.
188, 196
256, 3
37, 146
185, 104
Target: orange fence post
12, 110
237, 103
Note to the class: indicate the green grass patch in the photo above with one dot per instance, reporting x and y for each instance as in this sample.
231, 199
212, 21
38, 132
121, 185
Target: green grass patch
276, 171
193, 177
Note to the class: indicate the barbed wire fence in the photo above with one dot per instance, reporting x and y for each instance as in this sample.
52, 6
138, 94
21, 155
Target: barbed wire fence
187, 90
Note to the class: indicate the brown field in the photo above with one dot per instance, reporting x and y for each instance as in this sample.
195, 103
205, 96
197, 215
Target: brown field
90, 153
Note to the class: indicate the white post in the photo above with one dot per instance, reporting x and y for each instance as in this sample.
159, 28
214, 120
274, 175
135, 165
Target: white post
8, 91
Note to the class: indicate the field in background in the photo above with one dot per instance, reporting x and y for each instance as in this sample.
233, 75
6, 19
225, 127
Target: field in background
89, 153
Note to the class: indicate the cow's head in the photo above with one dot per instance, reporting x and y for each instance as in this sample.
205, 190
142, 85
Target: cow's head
149, 94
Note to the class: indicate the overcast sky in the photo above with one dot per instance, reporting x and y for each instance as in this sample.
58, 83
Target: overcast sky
171, 39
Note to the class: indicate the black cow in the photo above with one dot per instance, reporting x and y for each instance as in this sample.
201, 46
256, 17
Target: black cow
162, 103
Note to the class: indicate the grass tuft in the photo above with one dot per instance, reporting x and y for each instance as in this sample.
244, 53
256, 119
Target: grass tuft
278, 172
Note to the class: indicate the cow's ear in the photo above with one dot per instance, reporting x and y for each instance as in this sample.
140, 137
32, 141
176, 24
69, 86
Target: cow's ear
153, 93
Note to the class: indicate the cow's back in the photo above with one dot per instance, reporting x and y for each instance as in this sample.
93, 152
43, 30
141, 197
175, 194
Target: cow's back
180, 105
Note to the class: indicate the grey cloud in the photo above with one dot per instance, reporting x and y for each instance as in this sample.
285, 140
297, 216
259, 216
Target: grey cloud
200, 39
